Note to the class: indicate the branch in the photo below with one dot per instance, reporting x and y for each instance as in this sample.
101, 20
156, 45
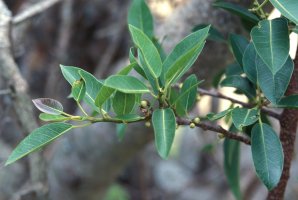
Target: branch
246, 105
34, 10
217, 129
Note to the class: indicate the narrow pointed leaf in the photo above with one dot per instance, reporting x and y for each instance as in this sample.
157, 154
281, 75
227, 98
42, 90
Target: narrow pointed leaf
123, 103
242, 117
139, 15
288, 102
49, 106
238, 44
151, 55
129, 117
164, 125
214, 34
271, 41
217, 116
249, 63
52, 118
232, 165
78, 90
103, 95
126, 84
120, 131
176, 103
37, 139
267, 154
241, 84
125, 70
288, 8
184, 55
274, 85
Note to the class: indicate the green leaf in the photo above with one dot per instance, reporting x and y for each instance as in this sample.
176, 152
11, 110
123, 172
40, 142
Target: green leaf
136, 67
125, 70
249, 63
288, 8
243, 13
176, 103
129, 118
164, 125
51, 118
217, 116
233, 69
71, 74
232, 164
49, 106
267, 154
244, 117
241, 84
123, 103
78, 90
151, 55
271, 41
37, 139
188, 93
214, 34
126, 84
120, 130
184, 55
274, 85
103, 95
238, 44
288, 102
139, 15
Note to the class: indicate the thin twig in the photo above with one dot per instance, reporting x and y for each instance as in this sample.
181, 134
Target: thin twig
217, 129
34, 10
246, 105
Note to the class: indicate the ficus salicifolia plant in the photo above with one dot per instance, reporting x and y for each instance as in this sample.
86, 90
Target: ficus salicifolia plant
262, 71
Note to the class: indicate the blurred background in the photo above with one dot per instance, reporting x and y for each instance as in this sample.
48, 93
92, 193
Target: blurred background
91, 163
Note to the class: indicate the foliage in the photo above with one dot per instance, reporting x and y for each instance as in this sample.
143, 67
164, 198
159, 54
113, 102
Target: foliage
261, 71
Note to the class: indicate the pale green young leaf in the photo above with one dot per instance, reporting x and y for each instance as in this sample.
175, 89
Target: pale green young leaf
238, 45
139, 15
242, 117
37, 139
288, 8
164, 125
267, 154
126, 84
123, 103
78, 90
49, 106
271, 41
184, 55
274, 85
151, 55
52, 118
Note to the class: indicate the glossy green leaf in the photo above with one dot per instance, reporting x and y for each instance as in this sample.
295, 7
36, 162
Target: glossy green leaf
188, 93
139, 15
243, 13
217, 116
288, 102
238, 44
288, 8
125, 70
160, 49
164, 125
214, 34
37, 139
123, 103
151, 54
267, 154
232, 165
49, 106
126, 84
71, 74
176, 103
271, 41
241, 84
233, 69
129, 118
274, 85
52, 118
120, 130
242, 117
184, 55
249, 63
103, 95
136, 67
78, 90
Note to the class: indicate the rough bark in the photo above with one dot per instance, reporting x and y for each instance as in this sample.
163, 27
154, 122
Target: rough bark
288, 126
